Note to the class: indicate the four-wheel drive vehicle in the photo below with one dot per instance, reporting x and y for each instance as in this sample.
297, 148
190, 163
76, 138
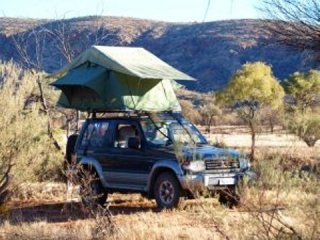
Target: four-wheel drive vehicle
162, 156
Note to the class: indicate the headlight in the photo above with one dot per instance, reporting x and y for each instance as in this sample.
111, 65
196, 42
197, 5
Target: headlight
244, 164
195, 166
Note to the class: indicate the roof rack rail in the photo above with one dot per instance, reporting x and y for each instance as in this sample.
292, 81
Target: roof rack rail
128, 113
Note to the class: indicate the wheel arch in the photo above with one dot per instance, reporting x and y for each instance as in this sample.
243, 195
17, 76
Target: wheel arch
156, 173
94, 165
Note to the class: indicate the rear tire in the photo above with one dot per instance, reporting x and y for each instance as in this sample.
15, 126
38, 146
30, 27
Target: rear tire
72, 139
167, 190
91, 190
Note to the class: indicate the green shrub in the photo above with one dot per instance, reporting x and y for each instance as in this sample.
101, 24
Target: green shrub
273, 173
23, 128
306, 126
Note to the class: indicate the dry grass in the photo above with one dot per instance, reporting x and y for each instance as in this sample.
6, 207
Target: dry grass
137, 218
284, 200
134, 216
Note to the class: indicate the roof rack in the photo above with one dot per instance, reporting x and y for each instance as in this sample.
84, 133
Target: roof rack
130, 113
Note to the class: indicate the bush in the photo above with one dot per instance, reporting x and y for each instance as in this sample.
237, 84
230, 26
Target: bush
283, 203
307, 127
23, 128
190, 111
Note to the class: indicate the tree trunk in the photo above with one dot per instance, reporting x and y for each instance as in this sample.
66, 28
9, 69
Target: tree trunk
68, 127
209, 126
271, 126
253, 141
4, 184
47, 112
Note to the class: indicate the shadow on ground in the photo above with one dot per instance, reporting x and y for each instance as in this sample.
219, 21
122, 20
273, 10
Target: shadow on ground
64, 211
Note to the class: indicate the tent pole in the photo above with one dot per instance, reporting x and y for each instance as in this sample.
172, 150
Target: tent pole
78, 120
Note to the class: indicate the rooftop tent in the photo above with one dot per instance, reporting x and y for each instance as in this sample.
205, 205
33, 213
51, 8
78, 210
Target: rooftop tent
132, 61
117, 79
94, 88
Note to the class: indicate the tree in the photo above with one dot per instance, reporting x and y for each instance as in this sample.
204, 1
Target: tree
32, 58
189, 110
209, 110
62, 37
302, 118
294, 22
303, 88
272, 117
70, 39
250, 89
25, 148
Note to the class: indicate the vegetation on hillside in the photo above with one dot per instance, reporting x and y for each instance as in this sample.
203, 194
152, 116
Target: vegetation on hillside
210, 52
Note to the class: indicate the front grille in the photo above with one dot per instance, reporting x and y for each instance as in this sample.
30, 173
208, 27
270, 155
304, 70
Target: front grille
216, 164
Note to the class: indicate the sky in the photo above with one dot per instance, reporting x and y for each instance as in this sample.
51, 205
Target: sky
164, 10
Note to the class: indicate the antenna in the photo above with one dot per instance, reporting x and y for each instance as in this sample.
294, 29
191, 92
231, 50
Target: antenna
231, 8
206, 12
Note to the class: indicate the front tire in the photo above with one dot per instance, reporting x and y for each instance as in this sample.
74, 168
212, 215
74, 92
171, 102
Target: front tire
229, 197
167, 190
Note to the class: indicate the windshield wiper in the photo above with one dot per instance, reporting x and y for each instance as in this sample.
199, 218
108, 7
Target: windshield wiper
159, 130
180, 123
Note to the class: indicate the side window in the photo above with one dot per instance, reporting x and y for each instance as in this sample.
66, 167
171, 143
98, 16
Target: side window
95, 135
124, 132
86, 135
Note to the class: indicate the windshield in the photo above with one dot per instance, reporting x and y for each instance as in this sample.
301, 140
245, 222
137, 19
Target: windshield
166, 132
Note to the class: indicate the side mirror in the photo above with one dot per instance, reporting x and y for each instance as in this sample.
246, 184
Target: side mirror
134, 143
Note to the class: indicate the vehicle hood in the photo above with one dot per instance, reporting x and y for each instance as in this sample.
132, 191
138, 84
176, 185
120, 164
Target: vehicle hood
209, 152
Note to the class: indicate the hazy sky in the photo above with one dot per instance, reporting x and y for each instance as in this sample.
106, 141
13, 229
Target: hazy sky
166, 10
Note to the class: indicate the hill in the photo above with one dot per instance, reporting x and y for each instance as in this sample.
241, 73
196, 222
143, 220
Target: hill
210, 52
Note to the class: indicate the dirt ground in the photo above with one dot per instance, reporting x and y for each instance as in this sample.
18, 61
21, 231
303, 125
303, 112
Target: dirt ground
134, 216
240, 137
47, 216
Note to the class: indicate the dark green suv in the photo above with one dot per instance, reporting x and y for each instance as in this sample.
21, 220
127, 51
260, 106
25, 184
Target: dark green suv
163, 156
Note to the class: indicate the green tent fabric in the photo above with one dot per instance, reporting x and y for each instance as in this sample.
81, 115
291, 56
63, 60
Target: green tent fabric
133, 61
109, 83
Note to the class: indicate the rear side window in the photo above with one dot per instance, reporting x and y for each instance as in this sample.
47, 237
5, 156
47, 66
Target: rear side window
96, 135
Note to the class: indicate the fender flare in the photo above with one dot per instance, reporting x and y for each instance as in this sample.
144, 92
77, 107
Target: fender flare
171, 165
90, 161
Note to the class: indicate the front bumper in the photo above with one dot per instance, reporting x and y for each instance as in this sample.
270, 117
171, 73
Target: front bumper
211, 181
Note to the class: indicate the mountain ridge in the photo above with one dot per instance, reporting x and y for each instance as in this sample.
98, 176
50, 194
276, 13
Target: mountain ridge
209, 51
